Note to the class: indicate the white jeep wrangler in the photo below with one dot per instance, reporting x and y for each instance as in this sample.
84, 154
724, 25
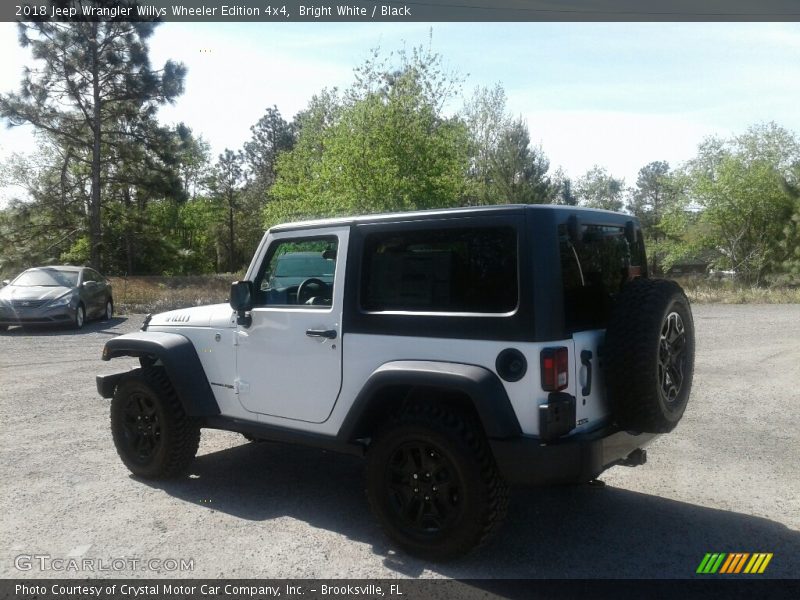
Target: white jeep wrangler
459, 351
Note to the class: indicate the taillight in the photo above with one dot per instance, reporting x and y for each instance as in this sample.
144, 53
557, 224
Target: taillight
555, 369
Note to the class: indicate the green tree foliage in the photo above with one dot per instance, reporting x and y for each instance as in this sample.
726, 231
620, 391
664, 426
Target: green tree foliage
790, 243
194, 156
384, 144
48, 225
561, 189
744, 188
656, 193
504, 167
226, 183
486, 118
51, 220
519, 170
91, 88
271, 135
651, 195
598, 189
140, 175
147, 196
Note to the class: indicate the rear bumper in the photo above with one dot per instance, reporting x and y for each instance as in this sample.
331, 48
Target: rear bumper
574, 459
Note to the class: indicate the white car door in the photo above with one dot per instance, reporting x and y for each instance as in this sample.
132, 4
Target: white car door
289, 357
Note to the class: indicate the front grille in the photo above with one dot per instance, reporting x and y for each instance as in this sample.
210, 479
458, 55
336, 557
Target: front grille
28, 303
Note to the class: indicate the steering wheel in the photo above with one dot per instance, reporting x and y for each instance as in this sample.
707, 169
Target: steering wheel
303, 288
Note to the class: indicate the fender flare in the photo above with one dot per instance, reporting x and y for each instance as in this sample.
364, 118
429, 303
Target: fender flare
181, 363
483, 387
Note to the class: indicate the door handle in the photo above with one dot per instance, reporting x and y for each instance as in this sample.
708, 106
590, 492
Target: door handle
586, 361
323, 333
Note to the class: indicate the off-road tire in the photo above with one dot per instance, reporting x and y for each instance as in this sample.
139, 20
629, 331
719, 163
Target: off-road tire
173, 438
646, 313
481, 494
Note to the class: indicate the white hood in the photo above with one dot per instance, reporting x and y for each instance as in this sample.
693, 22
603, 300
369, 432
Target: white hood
216, 315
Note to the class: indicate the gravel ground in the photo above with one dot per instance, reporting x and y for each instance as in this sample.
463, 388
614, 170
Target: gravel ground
725, 481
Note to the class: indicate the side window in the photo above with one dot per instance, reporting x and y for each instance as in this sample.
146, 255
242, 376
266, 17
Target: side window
463, 270
298, 272
89, 275
593, 270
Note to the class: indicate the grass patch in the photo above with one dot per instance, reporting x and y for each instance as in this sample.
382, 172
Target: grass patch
709, 291
153, 294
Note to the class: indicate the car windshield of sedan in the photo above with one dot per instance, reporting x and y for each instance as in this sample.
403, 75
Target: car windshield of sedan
47, 278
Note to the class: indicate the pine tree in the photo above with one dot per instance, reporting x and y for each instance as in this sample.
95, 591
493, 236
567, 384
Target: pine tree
88, 78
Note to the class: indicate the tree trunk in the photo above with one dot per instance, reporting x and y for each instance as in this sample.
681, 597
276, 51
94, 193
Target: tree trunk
230, 236
63, 218
128, 237
95, 225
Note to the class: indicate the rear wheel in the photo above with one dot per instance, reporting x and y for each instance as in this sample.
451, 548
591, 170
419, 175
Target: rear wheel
153, 436
433, 484
650, 355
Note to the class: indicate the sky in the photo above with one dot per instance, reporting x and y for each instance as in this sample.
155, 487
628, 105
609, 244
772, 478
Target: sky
618, 95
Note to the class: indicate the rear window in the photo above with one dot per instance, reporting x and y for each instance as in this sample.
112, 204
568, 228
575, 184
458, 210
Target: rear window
451, 270
593, 270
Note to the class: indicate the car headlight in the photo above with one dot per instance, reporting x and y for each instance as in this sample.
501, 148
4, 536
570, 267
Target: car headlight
62, 301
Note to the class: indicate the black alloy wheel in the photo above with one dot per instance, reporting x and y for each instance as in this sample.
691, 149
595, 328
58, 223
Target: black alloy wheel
142, 426
424, 488
672, 357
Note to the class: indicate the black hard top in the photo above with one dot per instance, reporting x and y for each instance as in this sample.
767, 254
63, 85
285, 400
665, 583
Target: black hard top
558, 211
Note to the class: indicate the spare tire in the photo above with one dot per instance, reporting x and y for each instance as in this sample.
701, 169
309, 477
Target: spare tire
649, 355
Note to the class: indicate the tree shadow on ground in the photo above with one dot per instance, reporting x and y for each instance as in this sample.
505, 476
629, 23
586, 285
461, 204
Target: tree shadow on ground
559, 532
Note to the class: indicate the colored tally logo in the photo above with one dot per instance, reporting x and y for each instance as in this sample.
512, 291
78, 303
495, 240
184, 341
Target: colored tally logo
733, 563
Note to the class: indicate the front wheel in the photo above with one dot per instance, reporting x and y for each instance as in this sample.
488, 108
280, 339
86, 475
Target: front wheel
109, 312
80, 317
433, 483
153, 436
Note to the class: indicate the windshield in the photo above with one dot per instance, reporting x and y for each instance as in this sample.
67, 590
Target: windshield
305, 266
47, 277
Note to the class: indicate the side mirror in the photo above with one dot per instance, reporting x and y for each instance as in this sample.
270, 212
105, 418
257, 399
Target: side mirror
89, 284
6, 282
241, 300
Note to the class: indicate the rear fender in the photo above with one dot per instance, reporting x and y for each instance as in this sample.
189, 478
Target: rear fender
483, 388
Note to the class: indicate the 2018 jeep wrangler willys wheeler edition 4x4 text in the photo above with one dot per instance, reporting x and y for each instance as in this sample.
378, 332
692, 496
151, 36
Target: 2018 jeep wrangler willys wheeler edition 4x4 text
459, 351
